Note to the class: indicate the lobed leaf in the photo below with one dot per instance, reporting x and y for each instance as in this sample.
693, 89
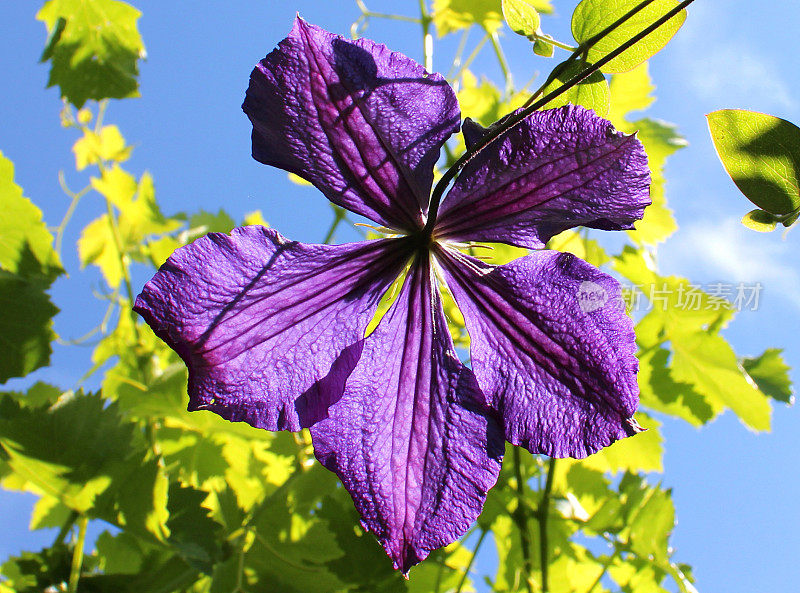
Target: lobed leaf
94, 48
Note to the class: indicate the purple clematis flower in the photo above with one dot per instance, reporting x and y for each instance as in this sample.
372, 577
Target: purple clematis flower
273, 331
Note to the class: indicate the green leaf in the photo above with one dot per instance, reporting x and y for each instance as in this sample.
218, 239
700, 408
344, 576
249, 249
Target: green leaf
761, 153
708, 363
542, 48
26, 325
572, 242
49, 512
454, 15
630, 92
94, 48
106, 146
592, 92
650, 525
771, 374
139, 218
97, 245
192, 531
592, 16
28, 265
83, 453
34, 572
26, 246
480, 102
208, 222
642, 452
659, 391
521, 17
660, 140
760, 221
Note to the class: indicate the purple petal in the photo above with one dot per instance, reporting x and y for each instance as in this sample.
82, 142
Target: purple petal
412, 438
268, 328
557, 169
551, 347
362, 123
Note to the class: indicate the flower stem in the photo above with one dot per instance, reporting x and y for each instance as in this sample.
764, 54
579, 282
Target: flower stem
512, 120
520, 517
542, 513
77, 555
475, 550
501, 59
427, 38
339, 214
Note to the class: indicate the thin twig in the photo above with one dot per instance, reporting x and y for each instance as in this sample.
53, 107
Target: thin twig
501, 60
339, 214
77, 555
475, 550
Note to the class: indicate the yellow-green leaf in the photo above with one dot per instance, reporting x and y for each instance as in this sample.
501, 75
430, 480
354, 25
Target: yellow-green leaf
107, 145
761, 153
94, 48
521, 17
591, 93
593, 16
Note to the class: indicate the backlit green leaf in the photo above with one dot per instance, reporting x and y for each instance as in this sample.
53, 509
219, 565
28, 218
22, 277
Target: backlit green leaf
592, 92
105, 146
521, 17
592, 16
771, 374
26, 325
709, 364
761, 153
26, 246
94, 48
760, 221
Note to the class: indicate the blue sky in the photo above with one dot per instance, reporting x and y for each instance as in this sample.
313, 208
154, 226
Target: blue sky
735, 491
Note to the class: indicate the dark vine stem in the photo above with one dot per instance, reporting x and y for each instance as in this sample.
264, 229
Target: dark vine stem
511, 121
542, 513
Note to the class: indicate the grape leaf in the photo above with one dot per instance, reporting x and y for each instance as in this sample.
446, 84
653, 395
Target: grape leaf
709, 364
83, 453
592, 16
94, 48
26, 325
761, 153
26, 246
771, 374
103, 146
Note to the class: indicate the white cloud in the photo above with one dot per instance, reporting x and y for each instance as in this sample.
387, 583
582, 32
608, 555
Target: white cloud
726, 251
738, 76
720, 64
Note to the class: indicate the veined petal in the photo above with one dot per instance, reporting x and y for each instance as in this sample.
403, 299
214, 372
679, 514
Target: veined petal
362, 123
551, 347
555, 170
412, 438
269, 328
